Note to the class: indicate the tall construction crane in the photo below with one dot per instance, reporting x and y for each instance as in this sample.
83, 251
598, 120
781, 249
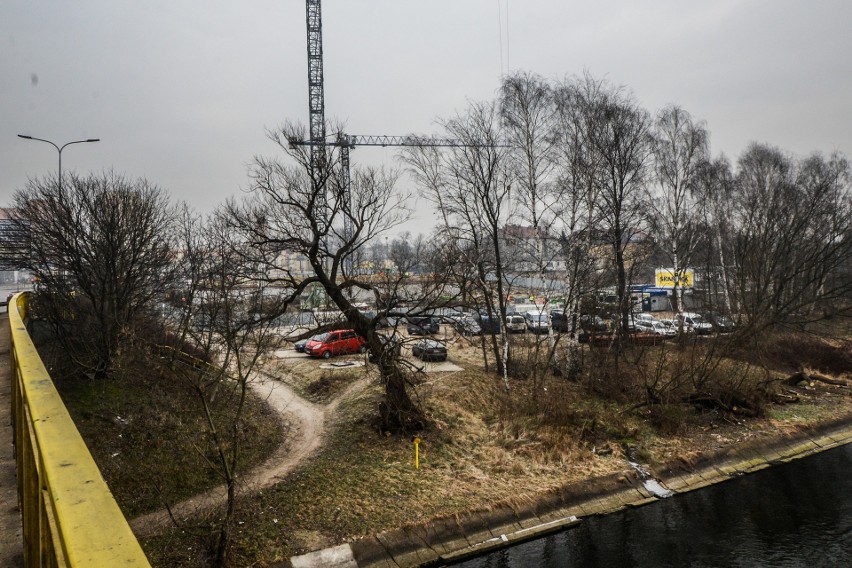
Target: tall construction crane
346, 142
316, 96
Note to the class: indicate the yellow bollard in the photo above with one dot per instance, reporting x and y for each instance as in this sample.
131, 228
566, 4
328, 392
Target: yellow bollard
416, 452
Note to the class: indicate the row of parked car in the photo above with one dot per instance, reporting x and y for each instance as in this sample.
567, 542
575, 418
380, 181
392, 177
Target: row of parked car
689, 322
347, 342
541, 322
467, 323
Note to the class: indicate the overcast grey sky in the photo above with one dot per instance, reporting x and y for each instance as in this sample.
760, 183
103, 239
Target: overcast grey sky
181, 91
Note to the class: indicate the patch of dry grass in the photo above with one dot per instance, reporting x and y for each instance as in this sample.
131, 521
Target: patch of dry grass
306, 377
146, 431
484, 446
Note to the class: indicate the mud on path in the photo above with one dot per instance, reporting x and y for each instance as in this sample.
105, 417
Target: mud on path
307, 428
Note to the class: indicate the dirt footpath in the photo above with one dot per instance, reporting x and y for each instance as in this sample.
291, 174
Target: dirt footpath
307, 426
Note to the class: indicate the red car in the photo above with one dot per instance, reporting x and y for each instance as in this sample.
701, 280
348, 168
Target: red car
338, 342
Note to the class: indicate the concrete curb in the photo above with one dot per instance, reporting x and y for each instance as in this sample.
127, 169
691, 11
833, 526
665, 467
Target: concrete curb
472, 533
335, 557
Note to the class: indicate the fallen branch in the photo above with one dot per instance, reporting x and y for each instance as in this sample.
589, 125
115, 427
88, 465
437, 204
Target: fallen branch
783, 398
797, 378
735, 406
828, 380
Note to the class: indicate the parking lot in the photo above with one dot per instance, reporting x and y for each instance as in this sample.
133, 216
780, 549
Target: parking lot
445, 335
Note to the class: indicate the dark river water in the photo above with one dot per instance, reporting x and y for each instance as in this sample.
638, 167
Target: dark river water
795, 515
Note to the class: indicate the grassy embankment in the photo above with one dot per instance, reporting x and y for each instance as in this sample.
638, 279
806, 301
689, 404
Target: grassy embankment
147, 434
146, 431
485, 447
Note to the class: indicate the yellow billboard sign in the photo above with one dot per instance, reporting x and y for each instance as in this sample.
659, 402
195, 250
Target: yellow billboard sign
666, 278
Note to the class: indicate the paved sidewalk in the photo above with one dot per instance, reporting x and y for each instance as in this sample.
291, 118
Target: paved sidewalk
11, 547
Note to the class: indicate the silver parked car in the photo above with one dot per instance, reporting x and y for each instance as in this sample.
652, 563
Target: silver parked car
660, 328
694, 323
537, 323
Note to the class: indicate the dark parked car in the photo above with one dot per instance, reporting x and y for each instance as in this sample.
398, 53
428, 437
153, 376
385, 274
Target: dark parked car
721, 323
593, 323
559, 320
489, 325
585, 323
339, 342
390, 342
430, 350
466, 326
299, 346
423, 326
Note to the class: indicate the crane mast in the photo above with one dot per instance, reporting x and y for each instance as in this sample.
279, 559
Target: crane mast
318, 142
316, 100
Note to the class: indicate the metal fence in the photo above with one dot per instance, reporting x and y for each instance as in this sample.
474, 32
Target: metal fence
69, 516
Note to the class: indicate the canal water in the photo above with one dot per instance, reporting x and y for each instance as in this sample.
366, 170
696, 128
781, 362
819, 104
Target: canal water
794, 515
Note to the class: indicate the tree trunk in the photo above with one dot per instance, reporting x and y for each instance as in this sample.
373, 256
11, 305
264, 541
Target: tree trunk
677, 291
223, 543
725, 288
398, 411
796, 378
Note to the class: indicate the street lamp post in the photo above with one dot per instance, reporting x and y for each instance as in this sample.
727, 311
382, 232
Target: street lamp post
59, 148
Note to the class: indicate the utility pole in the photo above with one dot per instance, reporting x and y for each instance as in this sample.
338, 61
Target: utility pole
59, 148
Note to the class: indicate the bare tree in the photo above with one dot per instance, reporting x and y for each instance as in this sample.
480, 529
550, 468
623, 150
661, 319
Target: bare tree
792, 222
415, 281
528, 117
714, 190
187, 279
470, 187
679, 147
304, 210
617, 129
222, 341
100, 250
577, 193
14, 241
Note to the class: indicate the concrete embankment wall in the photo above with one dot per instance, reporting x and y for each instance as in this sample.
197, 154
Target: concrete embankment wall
472, 533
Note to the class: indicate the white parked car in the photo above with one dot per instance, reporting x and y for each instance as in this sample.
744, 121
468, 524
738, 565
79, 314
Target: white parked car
660, 328
640, 317
537, 323
516, 323
642, 322
695, 323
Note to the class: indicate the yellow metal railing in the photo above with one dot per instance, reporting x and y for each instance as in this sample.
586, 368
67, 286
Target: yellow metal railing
70, 518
